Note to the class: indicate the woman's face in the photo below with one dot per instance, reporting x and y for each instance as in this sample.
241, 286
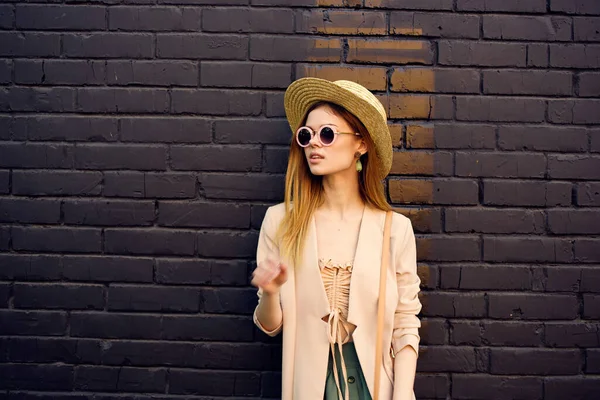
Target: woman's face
339, 156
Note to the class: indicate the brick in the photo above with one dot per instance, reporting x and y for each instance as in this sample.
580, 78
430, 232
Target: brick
592, 361
588, 194
108, 45
424, 220
433, 331
595, 141
23, 155
448, 359
422, 163
471, 386
25, 267
276, 48
513, 27
535, 361
166, 129
5, 71
115, 326
435, 80
41, 99
38, 323
574, 111
574, 221
149, 353
527, 249
573, 167
420, 106
483, 277
214, 383
122, 379
410, 4
56, 183
573, 387
242, 186
484, 54
107, 213
45, 350
587, 250
50, 17
577, 334
589, 84
25, 44
5, 289
586, 29
577, 7
373, 78
453, 305
389, 51
244, 74
454, 248
205, 2
526, 193
7, 16
226, 300
513, 333
469, 220
36, 377
201, 272
149, 241
137, 157
25, 211
154, 18
201, 46
575, 56
248, 20
60, 296
547, 138
589, 280
275, 160
274, 106
122, 100
557, 279
435, 25
206, 328
500, 109
152, 73
453, 191
73, 72
152, 298
216, 158
527, 82
107, 269
462, 136
533, 306
501, 165
65, 128
216, 102
331, 22
537, 55
428, 276
149, 185
56, 239
591, 306
397, 133
203, 215
4, 182
531, 6
227, 244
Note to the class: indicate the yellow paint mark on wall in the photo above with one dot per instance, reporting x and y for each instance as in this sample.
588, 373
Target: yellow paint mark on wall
413, 80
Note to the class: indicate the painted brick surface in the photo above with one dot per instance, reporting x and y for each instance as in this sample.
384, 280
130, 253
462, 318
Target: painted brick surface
142, 141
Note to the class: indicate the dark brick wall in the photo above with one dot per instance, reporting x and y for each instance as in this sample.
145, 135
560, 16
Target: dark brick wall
142, 140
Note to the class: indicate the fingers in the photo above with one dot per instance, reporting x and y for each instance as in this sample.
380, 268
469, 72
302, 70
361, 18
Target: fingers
265, 273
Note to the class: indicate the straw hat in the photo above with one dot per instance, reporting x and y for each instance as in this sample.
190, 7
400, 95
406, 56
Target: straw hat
305, 92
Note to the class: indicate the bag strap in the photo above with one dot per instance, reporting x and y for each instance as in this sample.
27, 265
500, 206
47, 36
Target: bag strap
385, 256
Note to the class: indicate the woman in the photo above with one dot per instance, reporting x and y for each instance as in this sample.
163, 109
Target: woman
319, 252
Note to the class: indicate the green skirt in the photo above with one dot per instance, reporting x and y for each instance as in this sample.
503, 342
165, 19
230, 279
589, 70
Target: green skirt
357, 385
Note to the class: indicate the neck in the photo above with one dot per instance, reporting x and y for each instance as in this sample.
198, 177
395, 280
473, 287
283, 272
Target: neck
341, 194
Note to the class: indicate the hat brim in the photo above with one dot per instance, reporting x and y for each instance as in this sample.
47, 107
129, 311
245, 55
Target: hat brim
302, 94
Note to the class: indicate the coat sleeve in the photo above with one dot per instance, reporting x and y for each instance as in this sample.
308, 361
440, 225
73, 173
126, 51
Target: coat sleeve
266, 246
406, 321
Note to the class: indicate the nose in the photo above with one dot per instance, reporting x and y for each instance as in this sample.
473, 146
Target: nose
314, 141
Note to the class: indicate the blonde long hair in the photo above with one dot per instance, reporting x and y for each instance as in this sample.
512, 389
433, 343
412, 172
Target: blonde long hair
305, 190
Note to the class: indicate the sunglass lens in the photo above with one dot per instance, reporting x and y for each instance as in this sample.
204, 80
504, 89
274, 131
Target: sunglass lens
327, 135
304, 137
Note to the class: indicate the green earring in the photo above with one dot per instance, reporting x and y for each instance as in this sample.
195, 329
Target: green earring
358, 162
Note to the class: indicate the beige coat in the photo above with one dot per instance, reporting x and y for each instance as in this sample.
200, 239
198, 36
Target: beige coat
304, 303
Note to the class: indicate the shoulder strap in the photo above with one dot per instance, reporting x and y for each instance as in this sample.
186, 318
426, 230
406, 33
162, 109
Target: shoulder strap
385, 258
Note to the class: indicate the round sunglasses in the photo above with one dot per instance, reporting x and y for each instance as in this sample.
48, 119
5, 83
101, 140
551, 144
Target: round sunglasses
326, 135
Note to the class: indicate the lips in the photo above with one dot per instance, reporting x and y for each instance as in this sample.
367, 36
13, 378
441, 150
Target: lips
315, 156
